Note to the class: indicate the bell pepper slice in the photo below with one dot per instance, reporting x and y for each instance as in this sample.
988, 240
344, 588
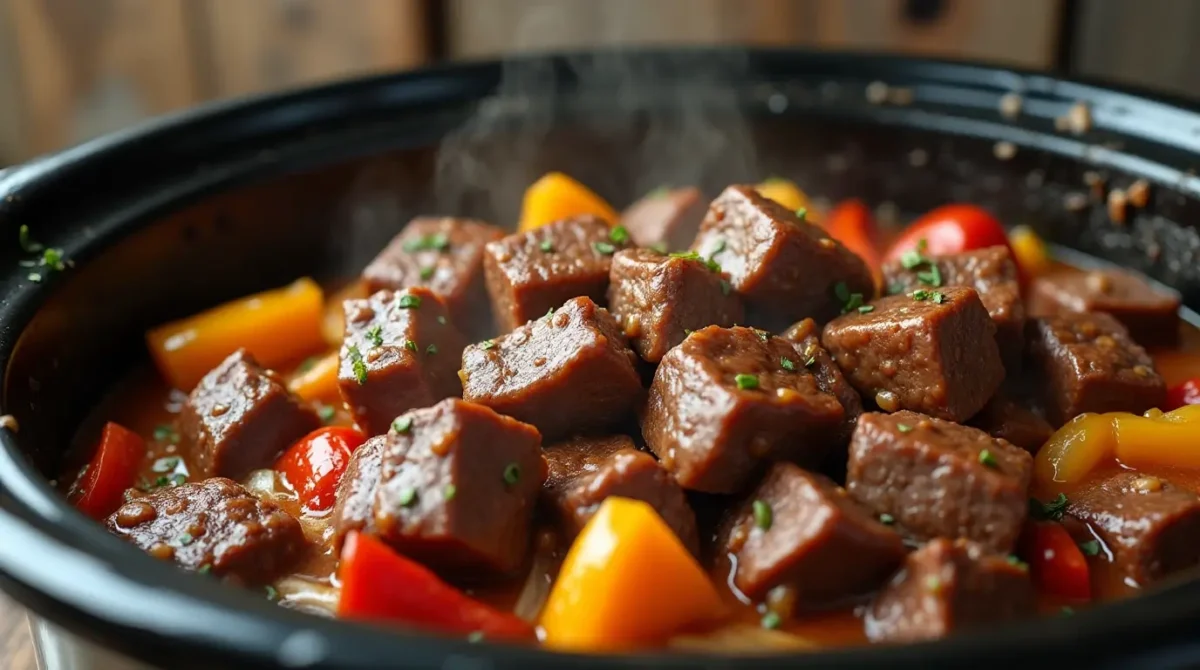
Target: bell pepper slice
1186, 393
112, 471
314, 465
556, 196
852, 223
1056, 564
1074, 450
789, 195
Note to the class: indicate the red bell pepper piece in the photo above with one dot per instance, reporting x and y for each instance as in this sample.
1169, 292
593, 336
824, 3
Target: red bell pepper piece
948, 230
1187, 393
381, 585
113, 469
315, 464
1056, 563
852, 224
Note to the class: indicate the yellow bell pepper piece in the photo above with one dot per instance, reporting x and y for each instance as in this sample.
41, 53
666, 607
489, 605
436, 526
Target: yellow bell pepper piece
318, 382
333, 323
556, 196
1170, 440
627, 582
1029, 251
277, 327
789, 195
1074, 450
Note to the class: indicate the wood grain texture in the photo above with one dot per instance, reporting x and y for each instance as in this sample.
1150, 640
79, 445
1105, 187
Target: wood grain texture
1149, 43
16, 643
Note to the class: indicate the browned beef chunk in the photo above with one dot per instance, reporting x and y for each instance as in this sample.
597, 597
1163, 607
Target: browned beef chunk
355, 500
443, 254
665, 219
1090, 364
401, 351
658, 299
947, 587
927, 351
241, 416
1150, 315
458, 484
802, 531
805, 336
785, 268
214, 525
728, 401
934, 478
584, 471
1015, 421
1149, 525
993, 275
529, 273
568, 372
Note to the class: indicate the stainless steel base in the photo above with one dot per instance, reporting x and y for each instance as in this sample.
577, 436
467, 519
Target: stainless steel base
60, 650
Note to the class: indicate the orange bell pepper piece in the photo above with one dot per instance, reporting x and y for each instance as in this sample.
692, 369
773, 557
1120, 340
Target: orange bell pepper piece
1074, 450
1029, 251
556, 196
1167, 440
627, 582
318, 382
789, 195
852, 224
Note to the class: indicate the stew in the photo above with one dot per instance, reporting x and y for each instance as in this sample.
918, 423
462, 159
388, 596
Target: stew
742, 425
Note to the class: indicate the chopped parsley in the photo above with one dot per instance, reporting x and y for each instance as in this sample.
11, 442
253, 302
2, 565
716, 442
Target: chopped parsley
933, 584
887, 519
487, 344
402, 424
802, 214
787, 364
725, 287
986, 458
407, 497
746, 382
53, 259
911, 259
449, 492
326, 412
1016, 562
618, 235
866, 309
695, 256
308, 364
434, 242
771, 621
375, 335
165, 433
35, 277
810, 362
441, 320
717, 249
410, 345
549, 312
1090, 548
177, 479
475, 637
660, 247
166, 464
763, 515
921, 295
1049, 511
431, 349
850, 301
931, 277
205, 569
271, 593
427, 272
604, 248
546, 246
903, 427
357, 364
409, 301
27, 243
512, 474
185, 539
762, 334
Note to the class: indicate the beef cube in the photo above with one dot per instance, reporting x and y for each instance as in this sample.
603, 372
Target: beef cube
1150, 315
801, 530
400, 352
934, 478
568, 372
240, 417
947, 587
727, 401
355, 498
784, 267
214, 525
665, 220
1013, 421
531, 272
584, 471
1149, 525
442, 253
927, 351
805, 336
1090, 364
457, 488
993, 275
659, 299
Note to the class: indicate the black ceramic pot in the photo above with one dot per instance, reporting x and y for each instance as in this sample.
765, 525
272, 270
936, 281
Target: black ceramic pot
189, 211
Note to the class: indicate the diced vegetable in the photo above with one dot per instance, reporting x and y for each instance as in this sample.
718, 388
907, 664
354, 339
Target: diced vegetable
626, 582
333, 323
1074, 450
1187, 393
315, 464
1029, 251
381, 585
112, 470
1056, 563
852, 224
949, 230
556, 196
319, 381
277, 327
789, 195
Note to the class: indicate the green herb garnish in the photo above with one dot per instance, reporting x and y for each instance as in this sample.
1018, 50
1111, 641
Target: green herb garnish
933, 584
771, 621
746, 382
271, 593
27, 243
410, 345
763, 515
402, 424
427, 272
802, 214
435, 242
903, 427
717, 249
695, 256
931, 277
618, 235
326, 412
787, 364
850, 301
409, 301
986, 458
431, 349
205, 569
1016, 562
375, 335
449, 492
660, 247
177, 479
53, 259
546, 246
487, 344
762, 334
308, 364
512, 474
1090, 548
866, 309
1050, 511
811, 360
165, 433
357, 365
34, 277
166, 464
604, 248
887, 519
407, 497
185, 539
